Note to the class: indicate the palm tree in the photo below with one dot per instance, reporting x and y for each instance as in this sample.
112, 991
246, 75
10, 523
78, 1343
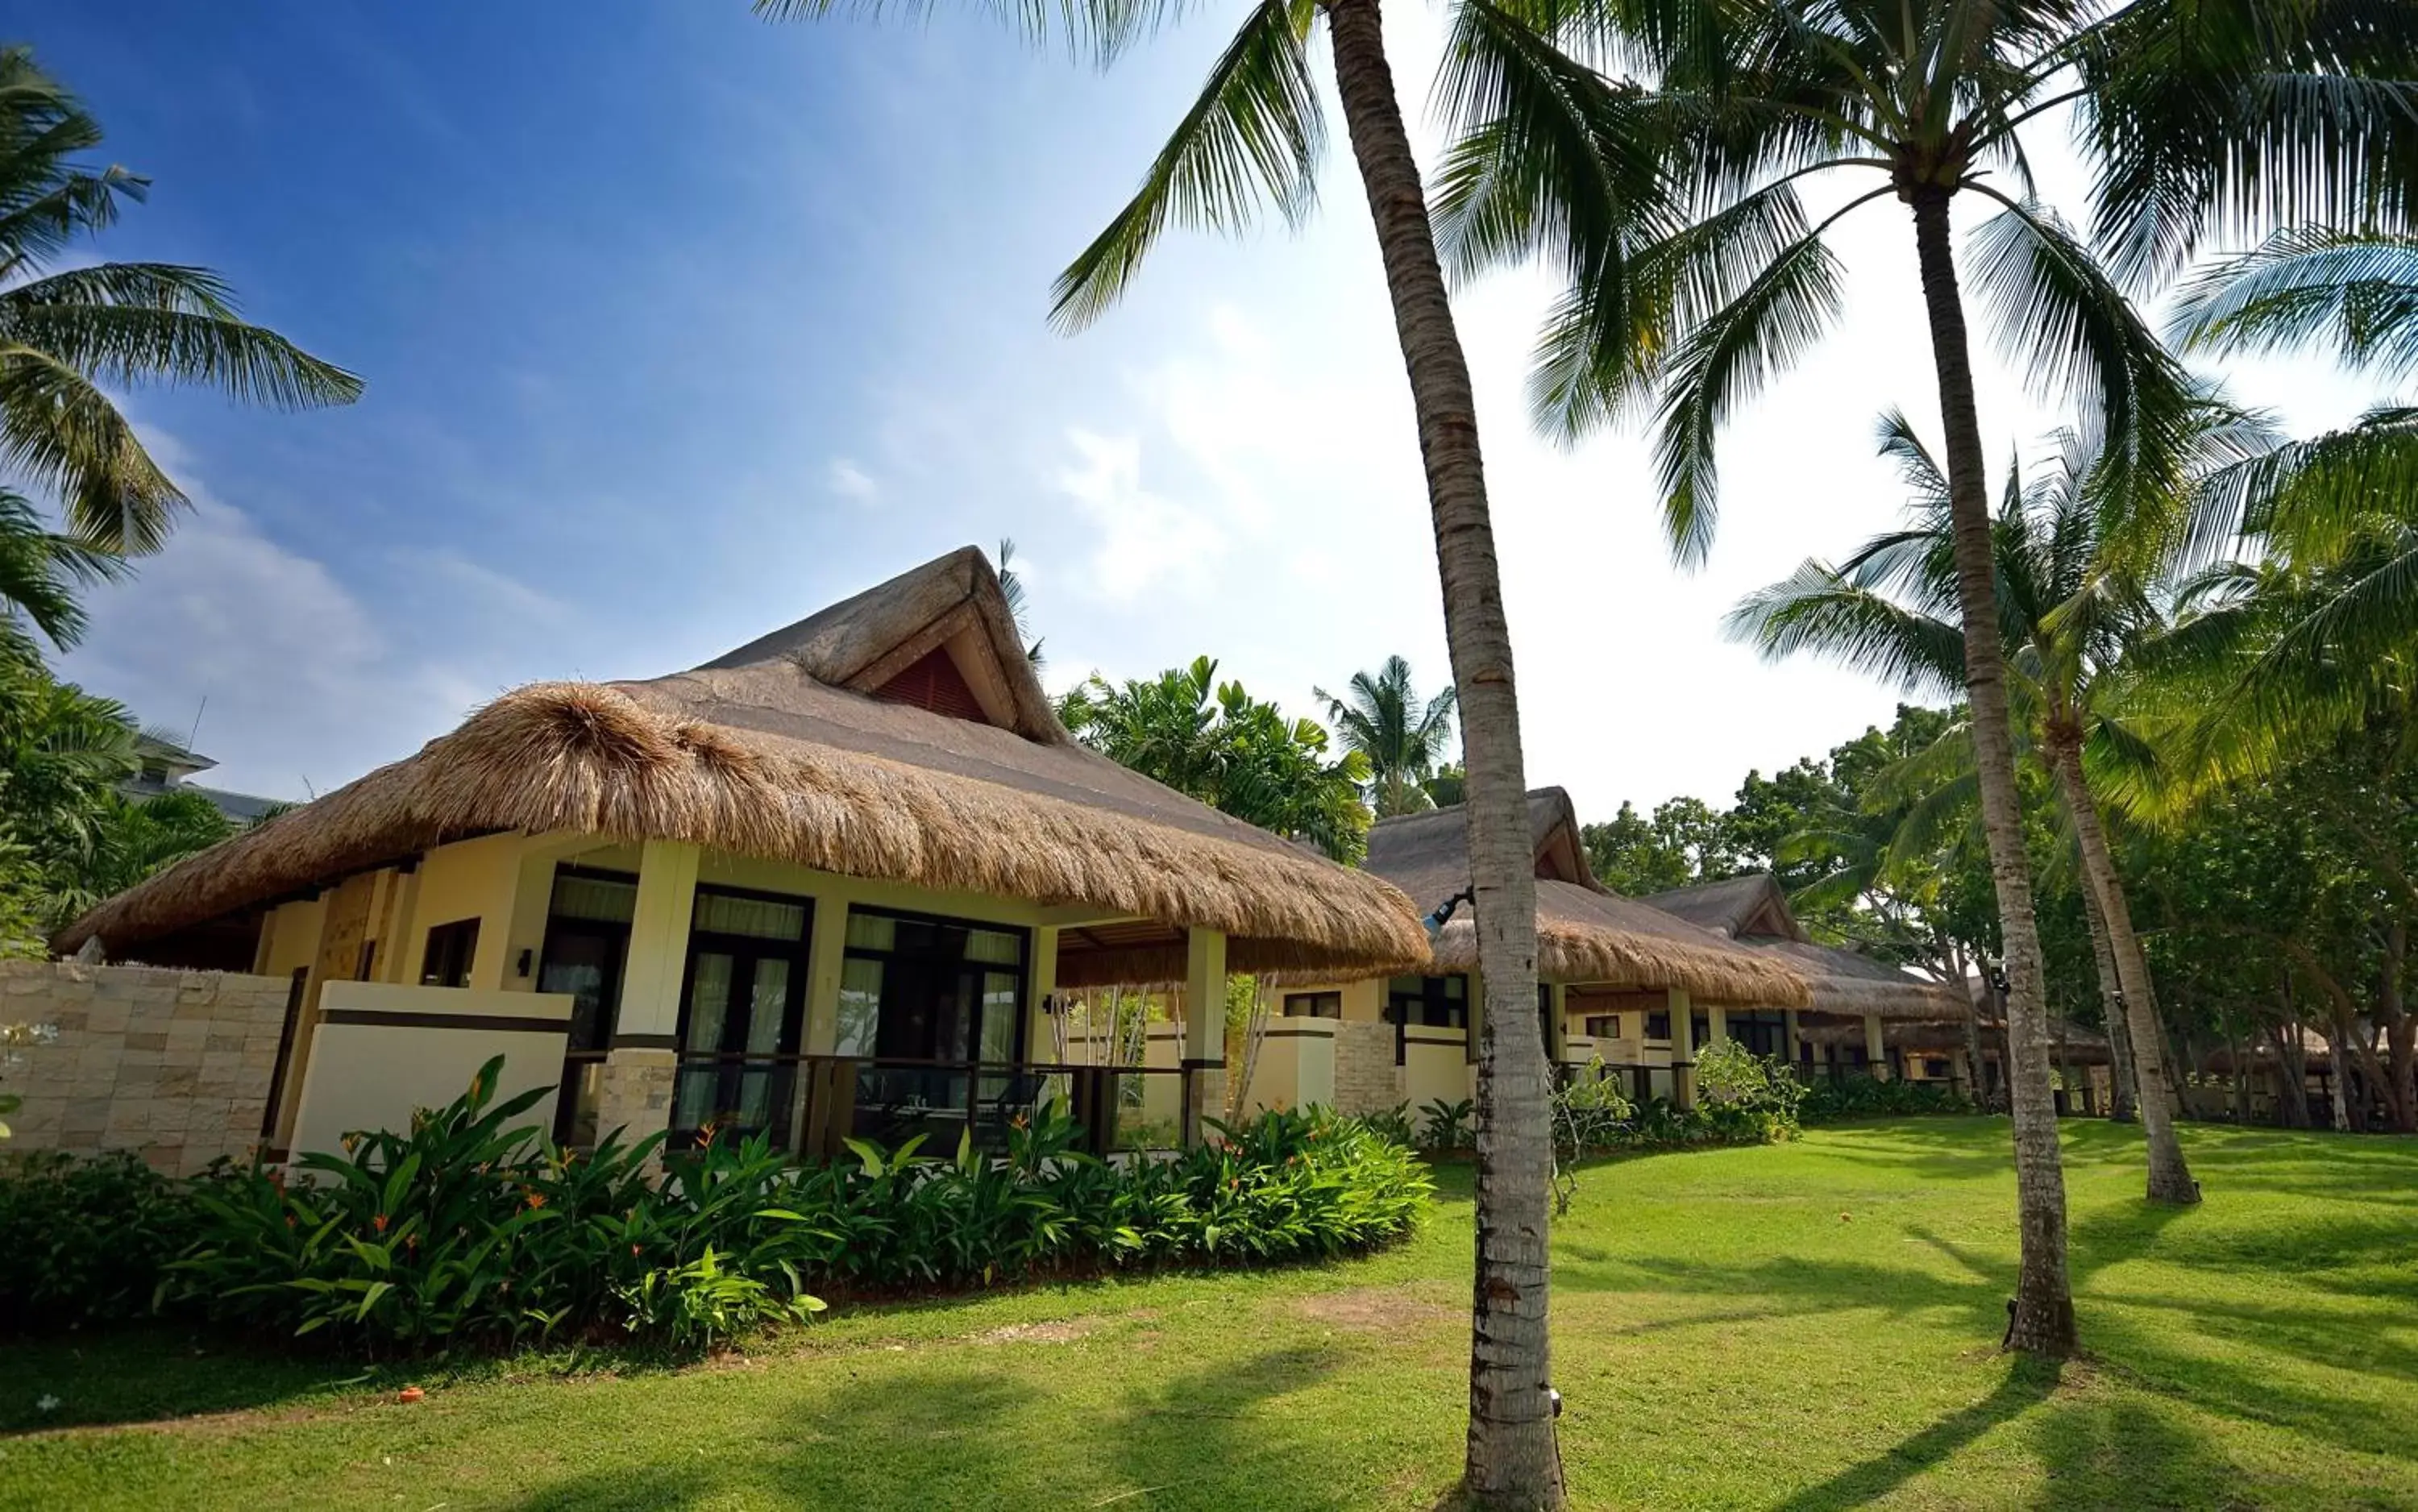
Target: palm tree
2194, 117
1255, 136
1403, 739
39, 574
66, 331
2070, 607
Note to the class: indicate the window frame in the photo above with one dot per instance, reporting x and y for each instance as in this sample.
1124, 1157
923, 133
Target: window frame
1021, 970
449, 952
1320, 1003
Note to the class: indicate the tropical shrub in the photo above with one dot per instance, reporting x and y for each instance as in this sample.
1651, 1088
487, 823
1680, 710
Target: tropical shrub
469, 1229
84, 1239
1447, 1125
1870, 1097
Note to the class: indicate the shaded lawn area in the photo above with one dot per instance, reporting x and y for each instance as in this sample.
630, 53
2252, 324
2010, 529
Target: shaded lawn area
1798, 1327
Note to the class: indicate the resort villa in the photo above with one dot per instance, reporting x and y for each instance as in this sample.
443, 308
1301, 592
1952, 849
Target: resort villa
854, 879
1626, 988
831, 883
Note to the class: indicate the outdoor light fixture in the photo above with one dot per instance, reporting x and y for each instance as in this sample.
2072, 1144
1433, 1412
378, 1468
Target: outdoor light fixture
521, 967
1999, 983
1442, 915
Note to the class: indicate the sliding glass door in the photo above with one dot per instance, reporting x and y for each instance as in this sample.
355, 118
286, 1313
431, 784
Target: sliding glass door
937, 1006
743, 1005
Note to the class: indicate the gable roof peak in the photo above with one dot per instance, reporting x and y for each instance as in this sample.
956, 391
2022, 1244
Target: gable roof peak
953, 605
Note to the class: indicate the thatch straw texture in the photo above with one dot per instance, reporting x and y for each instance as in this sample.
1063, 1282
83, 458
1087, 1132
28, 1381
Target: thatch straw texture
761, 758
1584, 932
1754, 912
1843, 982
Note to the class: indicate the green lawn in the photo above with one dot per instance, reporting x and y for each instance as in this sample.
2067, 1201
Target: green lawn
1808, 1326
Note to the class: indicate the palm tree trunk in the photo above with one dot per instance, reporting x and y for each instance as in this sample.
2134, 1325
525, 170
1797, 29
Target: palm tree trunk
1512, 1460
2170, 1180
2119, 1043
2041, 1317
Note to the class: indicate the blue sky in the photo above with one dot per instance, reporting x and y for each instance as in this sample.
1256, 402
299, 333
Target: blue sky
678, 325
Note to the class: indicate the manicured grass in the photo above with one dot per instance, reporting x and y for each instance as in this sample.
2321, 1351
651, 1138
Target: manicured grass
1809, 1326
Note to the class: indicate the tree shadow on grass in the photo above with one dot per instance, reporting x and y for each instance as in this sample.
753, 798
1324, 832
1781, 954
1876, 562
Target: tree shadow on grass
2028, 1383
964, 1435
145, 1374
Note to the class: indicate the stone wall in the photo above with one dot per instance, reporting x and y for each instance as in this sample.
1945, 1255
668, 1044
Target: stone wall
175, 1065
1366, 1077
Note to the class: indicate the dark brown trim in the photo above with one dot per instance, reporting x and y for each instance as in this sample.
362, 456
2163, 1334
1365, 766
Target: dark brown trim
495, 1023
1190, 1064
646, 1042
1298, 1033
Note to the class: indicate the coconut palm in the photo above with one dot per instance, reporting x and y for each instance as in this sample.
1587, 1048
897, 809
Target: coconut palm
2196, 117
65, 332
1404, 739
2354, 293
1253, 138
40, 571
2070, 606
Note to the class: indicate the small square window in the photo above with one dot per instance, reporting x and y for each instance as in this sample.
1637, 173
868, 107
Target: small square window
446, 963
1658, 1026
1313, 1005
1603, 1027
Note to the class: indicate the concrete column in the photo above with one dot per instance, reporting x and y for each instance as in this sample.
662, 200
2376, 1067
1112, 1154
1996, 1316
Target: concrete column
1683, 1048
1789, 1031
650, 982
1717, 1024
1204, 1030
1557, 1023
826, 960
1875, 1051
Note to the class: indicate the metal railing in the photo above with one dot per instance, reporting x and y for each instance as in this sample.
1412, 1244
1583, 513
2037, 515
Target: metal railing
813, 1104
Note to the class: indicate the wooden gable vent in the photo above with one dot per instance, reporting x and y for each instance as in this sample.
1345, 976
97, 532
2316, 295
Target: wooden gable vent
933, 682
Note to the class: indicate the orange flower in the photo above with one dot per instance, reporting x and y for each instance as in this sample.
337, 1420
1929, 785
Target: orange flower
379, 1222
536, 1200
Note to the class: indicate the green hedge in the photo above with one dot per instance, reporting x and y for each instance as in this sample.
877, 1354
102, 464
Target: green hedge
471, 1228
1868, 1097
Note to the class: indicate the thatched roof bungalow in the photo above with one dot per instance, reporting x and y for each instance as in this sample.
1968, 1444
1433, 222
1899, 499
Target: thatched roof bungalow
1600, 957
864, 834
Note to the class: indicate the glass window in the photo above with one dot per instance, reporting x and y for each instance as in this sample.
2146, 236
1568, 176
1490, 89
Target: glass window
1604, 1026
860, 1006
995, 947
605, 899
1435, 1001
1657, 1025
871, 931
1313, 1005
728, 913
446, 962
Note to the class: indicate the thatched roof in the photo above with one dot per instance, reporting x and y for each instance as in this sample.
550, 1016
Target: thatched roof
2082, 1045
794, 748
1754, 912
1735, 907
1584, 931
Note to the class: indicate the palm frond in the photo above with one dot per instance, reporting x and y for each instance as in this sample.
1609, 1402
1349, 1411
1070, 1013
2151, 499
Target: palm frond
1726, 361
2356, 292
1254, 133
134, 323
1815, 610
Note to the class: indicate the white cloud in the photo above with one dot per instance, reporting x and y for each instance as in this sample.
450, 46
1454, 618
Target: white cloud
1142, 541
851, 481
297, 686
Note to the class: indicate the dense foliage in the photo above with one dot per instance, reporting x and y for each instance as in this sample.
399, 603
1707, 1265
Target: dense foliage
472, 1228
1215, 742
68, 835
